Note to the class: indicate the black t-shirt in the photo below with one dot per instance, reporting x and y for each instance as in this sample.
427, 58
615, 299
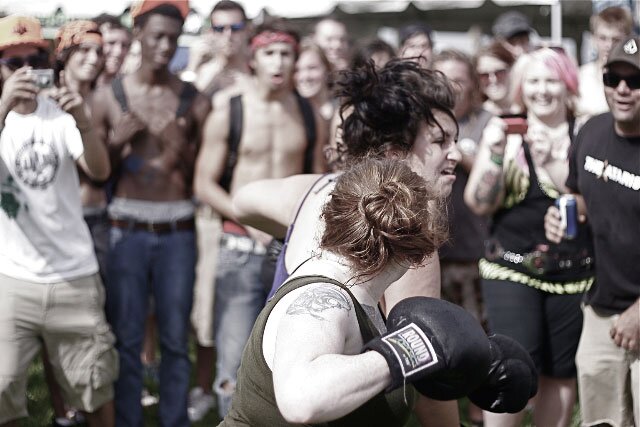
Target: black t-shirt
605, 169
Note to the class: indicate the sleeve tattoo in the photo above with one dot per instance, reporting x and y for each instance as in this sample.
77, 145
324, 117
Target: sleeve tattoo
315, 301
489, 188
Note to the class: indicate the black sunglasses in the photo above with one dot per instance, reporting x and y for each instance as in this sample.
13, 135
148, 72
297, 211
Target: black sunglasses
234, 27
611, 79
37, 60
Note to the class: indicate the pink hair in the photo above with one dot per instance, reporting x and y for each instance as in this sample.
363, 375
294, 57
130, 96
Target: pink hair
556, 60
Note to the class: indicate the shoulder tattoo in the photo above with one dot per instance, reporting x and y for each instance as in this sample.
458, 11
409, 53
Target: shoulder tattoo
315, 301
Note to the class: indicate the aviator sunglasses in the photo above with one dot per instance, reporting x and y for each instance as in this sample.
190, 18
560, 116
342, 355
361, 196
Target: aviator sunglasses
37, 60
611, 79
233, 27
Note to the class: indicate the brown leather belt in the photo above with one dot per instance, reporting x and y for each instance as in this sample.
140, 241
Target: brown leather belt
155, 227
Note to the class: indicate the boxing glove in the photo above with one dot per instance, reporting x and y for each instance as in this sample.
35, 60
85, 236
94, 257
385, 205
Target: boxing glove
437, 346
511, 381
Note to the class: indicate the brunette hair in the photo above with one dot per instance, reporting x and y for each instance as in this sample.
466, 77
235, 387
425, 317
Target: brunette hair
228, 5
365, 52
276, 25
463, 58
380, 211
383, 109
613, 16
495, 50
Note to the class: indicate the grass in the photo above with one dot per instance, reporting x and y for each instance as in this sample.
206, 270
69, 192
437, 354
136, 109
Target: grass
40, 412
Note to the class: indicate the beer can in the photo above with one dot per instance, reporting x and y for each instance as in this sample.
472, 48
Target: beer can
568, 208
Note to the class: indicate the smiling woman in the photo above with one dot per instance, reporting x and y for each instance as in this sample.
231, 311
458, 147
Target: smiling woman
532, 288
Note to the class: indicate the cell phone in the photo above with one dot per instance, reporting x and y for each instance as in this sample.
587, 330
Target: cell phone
516, 123
42, 78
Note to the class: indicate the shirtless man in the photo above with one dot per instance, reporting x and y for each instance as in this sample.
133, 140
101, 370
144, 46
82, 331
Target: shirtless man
151, 121
274, 142
116, 39
229, 68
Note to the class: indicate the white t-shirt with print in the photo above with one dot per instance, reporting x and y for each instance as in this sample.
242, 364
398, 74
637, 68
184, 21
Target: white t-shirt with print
43, 236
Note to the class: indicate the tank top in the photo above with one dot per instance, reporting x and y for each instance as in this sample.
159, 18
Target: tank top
520, 230
281, 273
254, 402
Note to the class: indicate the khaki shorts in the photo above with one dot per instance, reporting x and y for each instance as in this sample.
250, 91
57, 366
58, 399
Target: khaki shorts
208, 232
68, 317
608, 376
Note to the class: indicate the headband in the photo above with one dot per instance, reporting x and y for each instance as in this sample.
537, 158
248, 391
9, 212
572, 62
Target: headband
266, 38
77, 32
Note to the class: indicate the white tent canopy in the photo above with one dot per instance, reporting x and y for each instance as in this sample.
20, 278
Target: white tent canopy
285, 8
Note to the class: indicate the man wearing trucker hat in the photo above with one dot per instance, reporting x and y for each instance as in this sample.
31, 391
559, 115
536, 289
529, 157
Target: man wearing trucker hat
50, 290
604, 174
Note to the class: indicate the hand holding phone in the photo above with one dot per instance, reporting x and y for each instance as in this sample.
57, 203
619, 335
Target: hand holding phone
516, 123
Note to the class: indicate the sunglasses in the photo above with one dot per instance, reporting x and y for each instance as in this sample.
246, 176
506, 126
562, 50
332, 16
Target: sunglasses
498, 74
233, 27
38, 60
611, 79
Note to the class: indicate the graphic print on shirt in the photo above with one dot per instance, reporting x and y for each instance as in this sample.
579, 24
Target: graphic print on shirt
37, 164
602, 169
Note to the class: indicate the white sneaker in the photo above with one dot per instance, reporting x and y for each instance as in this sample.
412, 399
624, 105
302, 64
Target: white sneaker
199, 404
148, 399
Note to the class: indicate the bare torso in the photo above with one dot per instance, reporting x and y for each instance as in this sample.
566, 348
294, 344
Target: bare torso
156, 164
273, 140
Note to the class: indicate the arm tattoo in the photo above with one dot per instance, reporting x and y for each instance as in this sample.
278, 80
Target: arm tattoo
317, 300
489, 188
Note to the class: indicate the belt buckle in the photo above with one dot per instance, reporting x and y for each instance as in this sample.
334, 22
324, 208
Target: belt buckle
536, 262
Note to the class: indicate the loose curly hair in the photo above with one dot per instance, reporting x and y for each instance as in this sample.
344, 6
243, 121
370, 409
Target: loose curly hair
383, 109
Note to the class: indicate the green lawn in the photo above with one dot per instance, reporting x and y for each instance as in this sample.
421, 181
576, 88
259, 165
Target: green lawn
41, 413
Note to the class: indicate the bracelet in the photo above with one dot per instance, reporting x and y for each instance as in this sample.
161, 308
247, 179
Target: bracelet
497, 159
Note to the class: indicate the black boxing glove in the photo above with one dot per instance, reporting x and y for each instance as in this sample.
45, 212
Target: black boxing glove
511, 381
437, 346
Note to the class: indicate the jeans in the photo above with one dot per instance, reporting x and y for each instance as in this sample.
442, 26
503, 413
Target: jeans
239, 298
99, 228
142, 262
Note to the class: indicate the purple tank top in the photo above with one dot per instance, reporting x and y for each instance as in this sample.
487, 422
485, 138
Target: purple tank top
281, 274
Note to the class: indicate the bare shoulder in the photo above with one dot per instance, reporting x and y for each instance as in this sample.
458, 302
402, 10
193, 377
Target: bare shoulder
320, 301
221, 98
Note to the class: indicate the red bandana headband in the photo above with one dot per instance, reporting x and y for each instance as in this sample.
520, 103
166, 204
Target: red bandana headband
266, 38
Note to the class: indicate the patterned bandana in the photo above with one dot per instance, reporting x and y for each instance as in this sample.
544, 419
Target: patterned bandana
266, 38
77, 32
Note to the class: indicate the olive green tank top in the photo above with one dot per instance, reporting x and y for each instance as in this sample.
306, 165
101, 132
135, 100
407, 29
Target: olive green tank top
254, 402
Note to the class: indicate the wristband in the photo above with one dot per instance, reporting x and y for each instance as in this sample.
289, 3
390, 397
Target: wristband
497, 159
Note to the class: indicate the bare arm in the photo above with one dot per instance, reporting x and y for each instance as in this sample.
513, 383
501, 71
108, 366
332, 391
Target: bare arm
485, 190
264, 205
322, 139
313, 380
211, 162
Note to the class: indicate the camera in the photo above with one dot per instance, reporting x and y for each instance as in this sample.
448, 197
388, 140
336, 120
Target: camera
42, 78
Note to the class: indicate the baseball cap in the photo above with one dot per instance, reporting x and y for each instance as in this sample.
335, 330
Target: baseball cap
627, 51
21, 31
511, 23
144, 6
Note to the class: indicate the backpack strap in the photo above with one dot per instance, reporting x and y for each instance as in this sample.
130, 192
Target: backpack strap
118, 91
187, 96
309, 129
233, 141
